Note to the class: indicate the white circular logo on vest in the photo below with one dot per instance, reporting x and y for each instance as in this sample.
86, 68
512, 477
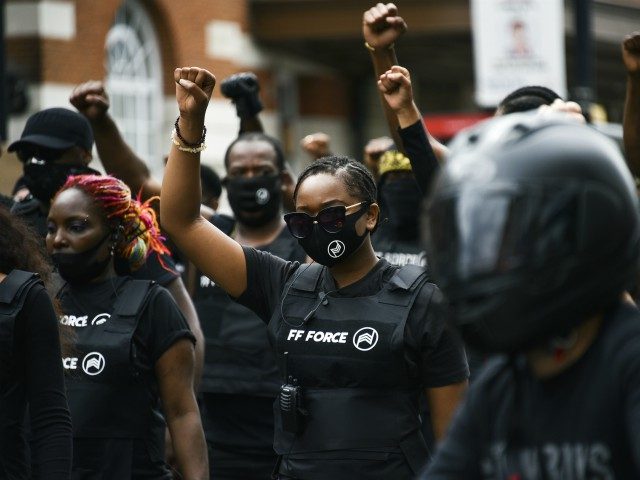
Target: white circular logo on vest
93, 363
100, 319
365, 339
262, 196
336, 248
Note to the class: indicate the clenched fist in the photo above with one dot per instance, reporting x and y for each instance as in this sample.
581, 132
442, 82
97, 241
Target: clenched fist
194, 87
91, 100
631, 54
381, 25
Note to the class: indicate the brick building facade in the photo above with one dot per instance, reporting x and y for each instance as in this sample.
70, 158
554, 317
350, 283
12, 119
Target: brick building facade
134, 45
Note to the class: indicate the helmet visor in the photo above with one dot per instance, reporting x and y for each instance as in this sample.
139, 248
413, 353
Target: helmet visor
496, 230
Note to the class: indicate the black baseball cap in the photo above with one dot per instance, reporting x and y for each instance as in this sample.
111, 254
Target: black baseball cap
55, 129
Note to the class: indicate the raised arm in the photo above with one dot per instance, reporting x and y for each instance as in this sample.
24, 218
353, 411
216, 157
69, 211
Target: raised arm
395, 87
214, 253
381, 28
118, 159
631, 123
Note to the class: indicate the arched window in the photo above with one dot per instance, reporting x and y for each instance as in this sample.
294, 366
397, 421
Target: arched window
134, 80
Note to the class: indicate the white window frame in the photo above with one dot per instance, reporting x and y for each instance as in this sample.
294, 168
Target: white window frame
134, 81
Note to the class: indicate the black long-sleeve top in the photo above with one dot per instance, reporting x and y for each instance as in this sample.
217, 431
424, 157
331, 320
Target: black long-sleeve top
37, 381
424, 162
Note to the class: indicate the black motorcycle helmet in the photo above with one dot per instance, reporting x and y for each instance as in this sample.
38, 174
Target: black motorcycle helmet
532, 226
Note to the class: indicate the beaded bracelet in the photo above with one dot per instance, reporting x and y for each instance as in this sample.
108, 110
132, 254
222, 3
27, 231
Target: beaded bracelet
182, 148
184, 142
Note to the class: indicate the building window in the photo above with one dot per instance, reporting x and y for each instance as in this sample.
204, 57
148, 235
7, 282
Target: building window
134, 80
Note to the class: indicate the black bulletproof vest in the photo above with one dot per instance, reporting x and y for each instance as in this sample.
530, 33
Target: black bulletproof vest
13, 396
106, 391
349, 360
13, 292
238, 357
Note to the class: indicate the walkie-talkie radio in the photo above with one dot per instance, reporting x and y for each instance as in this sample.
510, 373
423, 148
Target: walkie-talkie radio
291, 403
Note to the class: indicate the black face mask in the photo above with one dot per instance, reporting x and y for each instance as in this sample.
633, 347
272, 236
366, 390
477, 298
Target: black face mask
77, 268
330, 248
401, 201
255, 201
44, 179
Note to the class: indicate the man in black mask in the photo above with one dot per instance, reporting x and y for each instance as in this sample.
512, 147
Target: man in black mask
398, 238
240, 378
54, 144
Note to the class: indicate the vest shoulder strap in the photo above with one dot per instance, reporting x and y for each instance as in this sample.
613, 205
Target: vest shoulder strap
403, 285
408, 276
131, 301
15, 284
308, 277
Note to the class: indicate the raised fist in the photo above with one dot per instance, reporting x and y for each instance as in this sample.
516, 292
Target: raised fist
242, 89
316, 145
381, 25
631, 54
395, 85
91, 100
194, 87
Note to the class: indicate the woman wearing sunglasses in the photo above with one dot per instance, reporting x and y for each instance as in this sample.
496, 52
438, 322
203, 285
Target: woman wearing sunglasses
357, 340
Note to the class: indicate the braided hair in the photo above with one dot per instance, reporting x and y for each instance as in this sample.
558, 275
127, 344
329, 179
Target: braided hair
355, 176
133, 221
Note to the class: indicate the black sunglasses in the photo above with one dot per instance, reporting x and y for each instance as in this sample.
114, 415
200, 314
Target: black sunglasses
331, 219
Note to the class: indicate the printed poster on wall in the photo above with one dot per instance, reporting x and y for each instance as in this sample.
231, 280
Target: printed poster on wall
517, 43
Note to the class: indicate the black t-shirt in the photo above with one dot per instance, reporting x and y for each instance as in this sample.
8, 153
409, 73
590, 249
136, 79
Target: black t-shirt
159, 327
434, 355
580, 424
36, 378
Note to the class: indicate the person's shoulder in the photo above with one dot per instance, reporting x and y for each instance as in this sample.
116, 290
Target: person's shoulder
286, 246
620, 332
26, 207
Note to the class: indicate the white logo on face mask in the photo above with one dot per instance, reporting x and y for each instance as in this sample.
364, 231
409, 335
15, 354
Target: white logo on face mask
365, 339
93, 363
262, 196
336, 248
100, 319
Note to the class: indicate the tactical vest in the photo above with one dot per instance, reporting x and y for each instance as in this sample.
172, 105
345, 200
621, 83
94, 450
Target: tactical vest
348, 357
238, 357
13, 396
107, 394
13, 293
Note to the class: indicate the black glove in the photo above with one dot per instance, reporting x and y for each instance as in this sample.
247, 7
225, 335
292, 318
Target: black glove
242, 89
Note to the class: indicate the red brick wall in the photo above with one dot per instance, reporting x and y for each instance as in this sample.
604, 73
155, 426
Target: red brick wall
181, 32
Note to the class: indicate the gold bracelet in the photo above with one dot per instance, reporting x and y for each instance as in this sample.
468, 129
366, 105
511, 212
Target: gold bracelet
182, 148
372, 49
